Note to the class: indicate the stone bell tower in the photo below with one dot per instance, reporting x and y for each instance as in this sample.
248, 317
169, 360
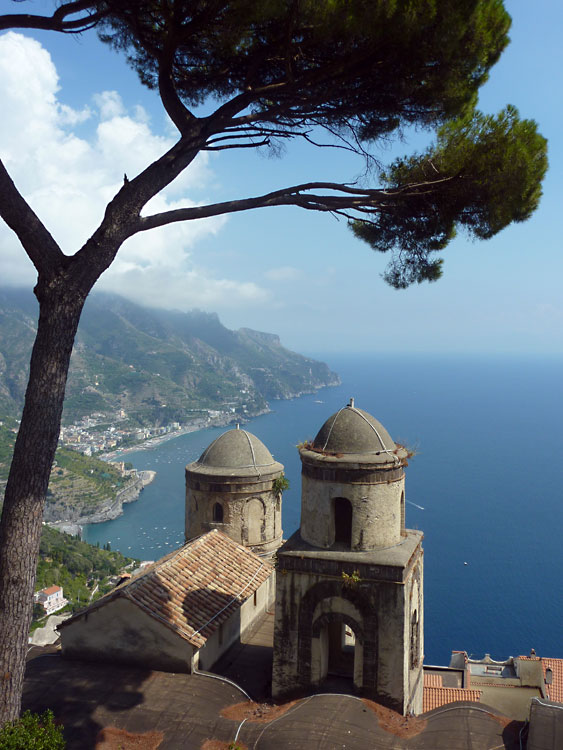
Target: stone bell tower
232, 487
349, 596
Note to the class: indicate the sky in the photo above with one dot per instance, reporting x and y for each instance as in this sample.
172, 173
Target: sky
75, 118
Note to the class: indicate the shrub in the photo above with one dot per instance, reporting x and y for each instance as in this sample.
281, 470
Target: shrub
280, 484
32, 732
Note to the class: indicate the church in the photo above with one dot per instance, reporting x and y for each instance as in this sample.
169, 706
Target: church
347, 586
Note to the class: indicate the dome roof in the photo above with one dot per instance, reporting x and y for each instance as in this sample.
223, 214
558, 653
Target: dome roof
353, 431
236, 453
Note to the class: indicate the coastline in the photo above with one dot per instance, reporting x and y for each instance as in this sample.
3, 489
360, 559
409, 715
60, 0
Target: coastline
127, 495
153, 442
213, 422
145, 477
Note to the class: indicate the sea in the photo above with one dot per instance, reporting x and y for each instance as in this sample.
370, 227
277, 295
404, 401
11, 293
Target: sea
485, 486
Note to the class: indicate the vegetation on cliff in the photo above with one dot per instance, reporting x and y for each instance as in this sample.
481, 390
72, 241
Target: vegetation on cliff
157, 366
79, 486
82, 570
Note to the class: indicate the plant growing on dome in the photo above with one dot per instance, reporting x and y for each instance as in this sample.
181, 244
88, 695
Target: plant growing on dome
411, 450
281, 484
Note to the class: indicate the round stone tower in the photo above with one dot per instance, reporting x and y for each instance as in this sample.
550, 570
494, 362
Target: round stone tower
353, 484
232, 487
349, 600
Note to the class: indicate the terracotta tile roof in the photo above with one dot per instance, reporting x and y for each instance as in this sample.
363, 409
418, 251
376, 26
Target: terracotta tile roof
432, 680
555, 690
434, 697
50, 590
196, 588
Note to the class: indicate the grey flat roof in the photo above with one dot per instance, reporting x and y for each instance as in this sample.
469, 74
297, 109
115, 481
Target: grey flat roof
92, 699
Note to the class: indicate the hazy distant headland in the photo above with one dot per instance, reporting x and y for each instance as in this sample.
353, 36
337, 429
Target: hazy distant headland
141, 375
156, 367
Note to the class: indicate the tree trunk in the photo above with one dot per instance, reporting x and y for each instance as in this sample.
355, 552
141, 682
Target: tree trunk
60, 306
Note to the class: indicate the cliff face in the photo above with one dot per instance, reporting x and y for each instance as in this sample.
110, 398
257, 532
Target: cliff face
81, 489
105, 509
158, 366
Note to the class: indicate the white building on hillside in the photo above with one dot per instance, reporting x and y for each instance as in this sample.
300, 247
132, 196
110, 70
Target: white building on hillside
51, 599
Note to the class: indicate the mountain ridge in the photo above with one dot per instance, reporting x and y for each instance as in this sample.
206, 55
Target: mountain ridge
156, 365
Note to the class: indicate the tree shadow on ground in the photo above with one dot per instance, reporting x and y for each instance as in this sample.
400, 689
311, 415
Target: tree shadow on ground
76, 691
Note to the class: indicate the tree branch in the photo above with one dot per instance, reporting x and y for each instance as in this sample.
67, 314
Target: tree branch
38, 243
226, 146
345, 198
176, 109
294, 196
253, 132
56, 22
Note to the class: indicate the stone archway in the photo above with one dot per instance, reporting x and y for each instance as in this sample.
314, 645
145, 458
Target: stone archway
326, 602
337, 650
415, 608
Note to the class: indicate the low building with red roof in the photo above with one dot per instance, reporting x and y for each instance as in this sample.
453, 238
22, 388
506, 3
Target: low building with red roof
551, 676
51, 598
510, 686
436, 694
179, 614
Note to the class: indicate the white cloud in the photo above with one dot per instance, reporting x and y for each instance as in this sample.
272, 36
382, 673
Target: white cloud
69, 178
284, 273
69, 116
109, 104
157, 287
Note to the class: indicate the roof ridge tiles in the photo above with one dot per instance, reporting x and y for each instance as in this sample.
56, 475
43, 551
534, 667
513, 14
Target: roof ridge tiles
164, 588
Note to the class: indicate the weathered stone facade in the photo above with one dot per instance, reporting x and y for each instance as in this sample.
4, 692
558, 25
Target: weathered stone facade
232, 487
349, 596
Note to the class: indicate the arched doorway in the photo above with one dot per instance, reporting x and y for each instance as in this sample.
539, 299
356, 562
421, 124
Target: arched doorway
341, 648
343, 522
337, 653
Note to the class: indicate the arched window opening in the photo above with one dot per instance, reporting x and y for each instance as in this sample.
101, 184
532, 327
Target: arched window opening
403, 513
343, 522
217, 513
415, 635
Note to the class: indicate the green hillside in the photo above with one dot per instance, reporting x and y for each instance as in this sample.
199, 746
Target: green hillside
8, 429
156, 365
82, 570
78, 486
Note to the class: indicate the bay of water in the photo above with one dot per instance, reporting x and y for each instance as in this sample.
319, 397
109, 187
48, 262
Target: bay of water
486, 487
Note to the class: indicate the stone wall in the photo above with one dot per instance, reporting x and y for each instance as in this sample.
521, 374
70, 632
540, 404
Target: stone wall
119, 631
378, 610
249, 509
375, 494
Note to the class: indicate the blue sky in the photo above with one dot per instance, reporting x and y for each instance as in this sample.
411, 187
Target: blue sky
76, 118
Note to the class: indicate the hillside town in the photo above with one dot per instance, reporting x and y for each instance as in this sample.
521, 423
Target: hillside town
100, 433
